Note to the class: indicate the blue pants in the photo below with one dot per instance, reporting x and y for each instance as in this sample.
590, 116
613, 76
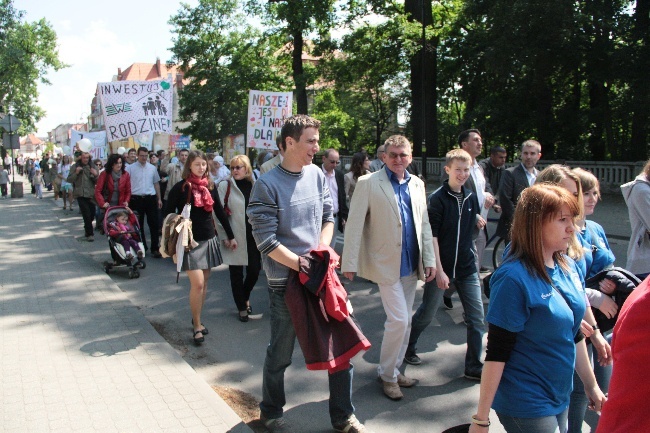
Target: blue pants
278, 358
469, 291
546, 424
579, 400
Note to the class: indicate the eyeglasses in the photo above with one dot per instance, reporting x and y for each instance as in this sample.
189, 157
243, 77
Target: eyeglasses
98, 165
334, 162
238, 167
393, 155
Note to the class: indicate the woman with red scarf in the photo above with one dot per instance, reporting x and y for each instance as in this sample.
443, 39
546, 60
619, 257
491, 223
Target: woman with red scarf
199, 189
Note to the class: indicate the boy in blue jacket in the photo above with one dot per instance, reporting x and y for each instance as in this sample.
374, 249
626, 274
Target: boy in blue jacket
455, 220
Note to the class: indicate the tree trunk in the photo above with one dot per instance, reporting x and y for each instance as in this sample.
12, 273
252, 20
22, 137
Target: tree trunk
597, 72
298, 71
639, 86
543, 94
423, 84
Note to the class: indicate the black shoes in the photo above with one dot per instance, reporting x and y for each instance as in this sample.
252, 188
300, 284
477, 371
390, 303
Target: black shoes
203, 331
474, 375
198, 340
412, 358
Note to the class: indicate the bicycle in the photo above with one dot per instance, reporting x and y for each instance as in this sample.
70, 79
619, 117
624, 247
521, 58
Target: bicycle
499, 246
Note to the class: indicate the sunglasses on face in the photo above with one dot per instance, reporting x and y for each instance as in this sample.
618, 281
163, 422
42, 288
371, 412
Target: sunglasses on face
393, 155
334, 162
237, 167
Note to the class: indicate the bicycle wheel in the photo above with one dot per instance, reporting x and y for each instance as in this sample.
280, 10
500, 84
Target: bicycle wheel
497, 252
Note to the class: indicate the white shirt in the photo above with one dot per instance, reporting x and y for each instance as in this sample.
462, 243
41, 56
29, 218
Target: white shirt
530, 176
334, 190
479, 180
143, 178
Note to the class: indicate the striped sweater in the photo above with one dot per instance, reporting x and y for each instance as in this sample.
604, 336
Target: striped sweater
288, 209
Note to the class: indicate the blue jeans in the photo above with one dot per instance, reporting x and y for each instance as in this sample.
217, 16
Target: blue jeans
547, 424
469, 291
431, 300
579, 400
278, 358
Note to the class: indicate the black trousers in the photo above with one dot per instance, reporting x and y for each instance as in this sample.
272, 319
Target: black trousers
242, 287
87, 208
147, 205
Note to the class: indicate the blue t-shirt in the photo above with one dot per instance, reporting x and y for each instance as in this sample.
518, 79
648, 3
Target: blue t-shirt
598, 254
538, 378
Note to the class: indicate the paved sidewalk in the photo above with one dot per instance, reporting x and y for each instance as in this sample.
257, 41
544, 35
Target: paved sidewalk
75, 354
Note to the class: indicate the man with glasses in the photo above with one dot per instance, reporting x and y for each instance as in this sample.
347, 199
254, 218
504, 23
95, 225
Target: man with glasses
388, 240
145, 197
335, 182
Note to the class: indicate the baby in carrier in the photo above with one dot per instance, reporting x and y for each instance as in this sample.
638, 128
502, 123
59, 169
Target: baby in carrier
123, 232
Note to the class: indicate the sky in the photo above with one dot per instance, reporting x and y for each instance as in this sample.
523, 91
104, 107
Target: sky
95, 39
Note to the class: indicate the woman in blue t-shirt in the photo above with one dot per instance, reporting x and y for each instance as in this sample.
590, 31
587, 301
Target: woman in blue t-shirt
536, 308
600, 257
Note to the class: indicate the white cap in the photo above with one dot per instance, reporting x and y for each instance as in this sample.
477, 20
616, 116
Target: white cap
218, 159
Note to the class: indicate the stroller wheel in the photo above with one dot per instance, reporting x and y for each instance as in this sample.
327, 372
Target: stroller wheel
141, 264
131, 274
137, 274
107, 269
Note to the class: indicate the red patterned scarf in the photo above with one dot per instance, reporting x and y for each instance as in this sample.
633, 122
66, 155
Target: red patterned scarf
202, 197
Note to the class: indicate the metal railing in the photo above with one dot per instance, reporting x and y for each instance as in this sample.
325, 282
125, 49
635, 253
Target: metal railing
609, 173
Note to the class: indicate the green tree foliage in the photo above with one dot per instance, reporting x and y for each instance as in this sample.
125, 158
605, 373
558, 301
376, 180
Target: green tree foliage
293, 20
557, 71
222, 57
27, 53
570, 74
339, 129
368, 75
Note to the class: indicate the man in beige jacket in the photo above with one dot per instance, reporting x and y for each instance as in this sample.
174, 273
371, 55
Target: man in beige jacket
388, 240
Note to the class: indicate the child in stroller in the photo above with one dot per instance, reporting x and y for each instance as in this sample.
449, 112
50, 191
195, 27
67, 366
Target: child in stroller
123, 232
122, 229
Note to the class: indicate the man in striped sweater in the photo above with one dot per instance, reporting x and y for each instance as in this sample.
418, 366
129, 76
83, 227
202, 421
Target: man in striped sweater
290, 210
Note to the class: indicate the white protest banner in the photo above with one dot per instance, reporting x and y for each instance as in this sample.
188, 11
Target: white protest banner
266, 114
136, 108
98, 139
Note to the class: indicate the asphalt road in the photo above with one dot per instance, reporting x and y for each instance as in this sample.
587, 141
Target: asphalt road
233, 353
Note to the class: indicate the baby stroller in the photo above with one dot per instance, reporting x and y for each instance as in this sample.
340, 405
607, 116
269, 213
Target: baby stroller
121, 258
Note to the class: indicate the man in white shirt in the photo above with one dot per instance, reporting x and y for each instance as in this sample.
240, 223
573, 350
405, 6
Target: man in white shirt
336, 184
145, 197
470, 141
514, 181
8, 163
